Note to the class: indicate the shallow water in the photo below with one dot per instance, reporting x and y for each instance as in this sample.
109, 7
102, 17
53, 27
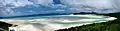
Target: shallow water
51, 23
21, 8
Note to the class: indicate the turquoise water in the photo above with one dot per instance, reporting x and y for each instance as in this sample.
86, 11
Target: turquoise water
55, 22
59, 19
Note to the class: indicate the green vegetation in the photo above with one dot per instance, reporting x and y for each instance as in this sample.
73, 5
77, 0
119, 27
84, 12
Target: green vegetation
105, 26
4, 26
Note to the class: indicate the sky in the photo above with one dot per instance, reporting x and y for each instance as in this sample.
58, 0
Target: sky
25, 7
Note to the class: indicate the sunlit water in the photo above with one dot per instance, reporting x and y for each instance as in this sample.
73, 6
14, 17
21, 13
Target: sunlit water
56, 22
11, 8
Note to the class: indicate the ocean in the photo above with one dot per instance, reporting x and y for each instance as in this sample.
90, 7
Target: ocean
54, 22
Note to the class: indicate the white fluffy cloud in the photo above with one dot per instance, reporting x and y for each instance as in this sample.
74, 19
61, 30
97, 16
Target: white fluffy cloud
25, 7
